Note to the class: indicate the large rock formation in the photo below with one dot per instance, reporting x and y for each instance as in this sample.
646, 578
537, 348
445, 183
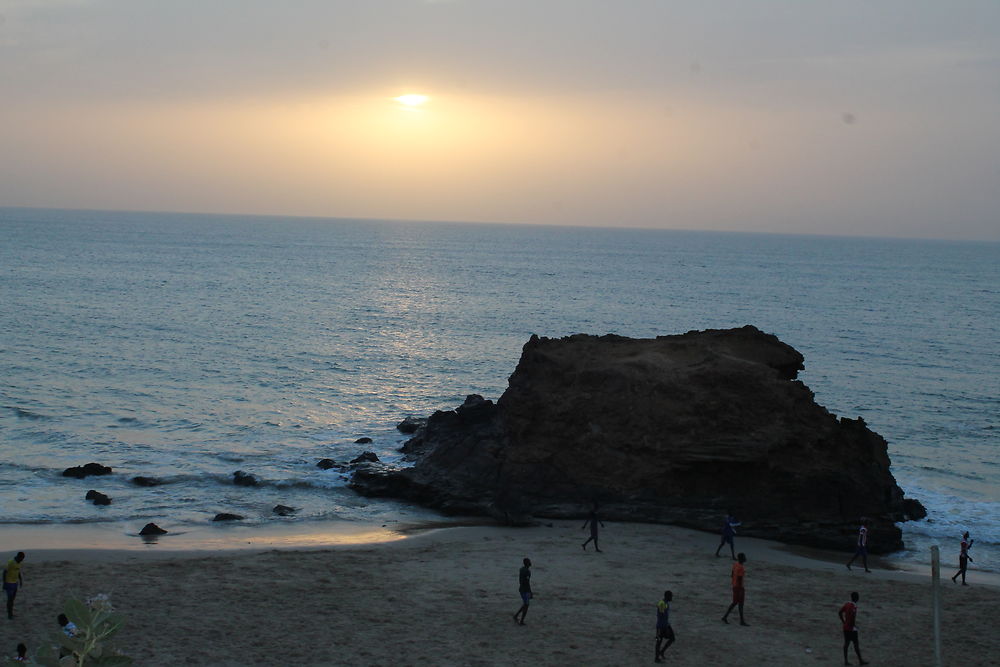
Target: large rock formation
677, 429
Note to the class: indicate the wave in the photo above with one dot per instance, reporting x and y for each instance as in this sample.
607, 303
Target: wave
22, 413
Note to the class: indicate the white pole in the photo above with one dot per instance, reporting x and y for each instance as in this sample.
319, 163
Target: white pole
936, 601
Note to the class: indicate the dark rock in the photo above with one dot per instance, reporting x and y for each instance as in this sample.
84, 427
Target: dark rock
365, 457
410, 425
98, 497
225, 516
152, 529
284, 510
363, 441
676, 429
147, 481
326, 464
80, 472
914, 509
241, 478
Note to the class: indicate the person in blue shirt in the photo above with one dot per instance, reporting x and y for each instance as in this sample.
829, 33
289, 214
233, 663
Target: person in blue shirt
728, 532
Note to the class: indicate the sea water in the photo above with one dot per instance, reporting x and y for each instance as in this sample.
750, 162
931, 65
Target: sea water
186, 347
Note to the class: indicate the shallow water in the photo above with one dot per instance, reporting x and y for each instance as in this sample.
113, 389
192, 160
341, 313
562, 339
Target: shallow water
187, 347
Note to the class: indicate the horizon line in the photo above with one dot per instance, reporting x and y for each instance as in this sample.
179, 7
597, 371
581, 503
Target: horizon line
507, 223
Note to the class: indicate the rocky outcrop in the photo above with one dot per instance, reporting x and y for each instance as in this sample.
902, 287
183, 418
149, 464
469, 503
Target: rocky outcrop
677, 429
87, 470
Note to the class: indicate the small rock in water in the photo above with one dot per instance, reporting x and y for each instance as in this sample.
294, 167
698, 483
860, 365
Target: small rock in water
98, 497
363, 441
326, 464
241, 478
146, 481
284, 510
365, 457
410, 425
152, 529
80, 472
225, 516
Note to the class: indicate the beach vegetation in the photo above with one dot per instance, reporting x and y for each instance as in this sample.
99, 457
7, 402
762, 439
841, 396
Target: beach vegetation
92, 642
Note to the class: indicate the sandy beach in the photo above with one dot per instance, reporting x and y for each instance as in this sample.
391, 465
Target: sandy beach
446, 597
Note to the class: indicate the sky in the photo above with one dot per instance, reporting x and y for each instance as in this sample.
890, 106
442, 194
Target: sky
845, 118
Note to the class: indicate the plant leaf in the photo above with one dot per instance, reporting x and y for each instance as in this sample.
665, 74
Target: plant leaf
78, 613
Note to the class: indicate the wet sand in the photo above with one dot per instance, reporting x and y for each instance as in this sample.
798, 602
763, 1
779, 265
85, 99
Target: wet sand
446, 597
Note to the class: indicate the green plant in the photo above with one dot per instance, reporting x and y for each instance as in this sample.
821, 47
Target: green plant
96, 623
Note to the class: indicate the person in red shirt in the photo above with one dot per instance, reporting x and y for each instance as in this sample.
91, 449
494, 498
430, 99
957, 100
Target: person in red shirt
964, 558
739, 593
849, 617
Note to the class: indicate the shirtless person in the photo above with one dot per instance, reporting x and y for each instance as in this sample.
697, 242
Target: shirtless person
524, 588
593, 521
964, 558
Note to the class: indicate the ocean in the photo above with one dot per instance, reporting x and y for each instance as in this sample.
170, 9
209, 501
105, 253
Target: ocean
186, 347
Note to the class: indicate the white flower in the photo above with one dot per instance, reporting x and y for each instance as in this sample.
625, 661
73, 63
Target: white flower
101, 601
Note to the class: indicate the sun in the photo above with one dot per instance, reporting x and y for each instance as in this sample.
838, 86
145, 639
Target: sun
412, 100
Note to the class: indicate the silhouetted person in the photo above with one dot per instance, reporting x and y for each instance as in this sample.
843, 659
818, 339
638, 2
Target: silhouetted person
524, 588
964, 558
592, 520
739, 592
12, 580
22, 653
849, 617
728, 533
664, 633
862, 546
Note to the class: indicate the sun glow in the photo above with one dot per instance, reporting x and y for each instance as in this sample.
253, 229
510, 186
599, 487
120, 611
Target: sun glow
412, 101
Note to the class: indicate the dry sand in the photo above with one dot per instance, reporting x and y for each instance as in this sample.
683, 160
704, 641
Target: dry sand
446, 597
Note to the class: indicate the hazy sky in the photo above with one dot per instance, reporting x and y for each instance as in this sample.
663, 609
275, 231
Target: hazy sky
873, 118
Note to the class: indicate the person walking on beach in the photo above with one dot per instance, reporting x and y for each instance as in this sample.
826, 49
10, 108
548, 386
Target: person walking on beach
593, 521
524, 588
664, 633
849, 617
728, 532
739, 592
862, 546
12, 580
964, 558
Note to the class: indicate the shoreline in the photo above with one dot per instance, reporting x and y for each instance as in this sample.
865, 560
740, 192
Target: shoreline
116, 541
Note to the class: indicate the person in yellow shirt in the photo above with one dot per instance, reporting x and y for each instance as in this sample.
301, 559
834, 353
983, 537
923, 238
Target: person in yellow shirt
12, 580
